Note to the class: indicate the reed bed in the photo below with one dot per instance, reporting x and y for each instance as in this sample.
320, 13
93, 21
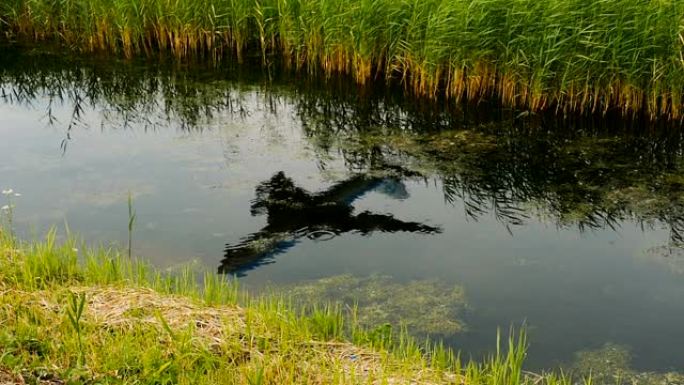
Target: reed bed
574, 56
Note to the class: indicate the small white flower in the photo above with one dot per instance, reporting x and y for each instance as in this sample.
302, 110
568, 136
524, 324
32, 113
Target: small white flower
7, 192
75, 250
17, 195
5, 207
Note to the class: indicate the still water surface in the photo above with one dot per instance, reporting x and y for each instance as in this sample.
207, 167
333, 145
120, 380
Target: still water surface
280, 182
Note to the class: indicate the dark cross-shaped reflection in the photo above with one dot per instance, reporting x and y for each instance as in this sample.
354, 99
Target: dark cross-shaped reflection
294, 213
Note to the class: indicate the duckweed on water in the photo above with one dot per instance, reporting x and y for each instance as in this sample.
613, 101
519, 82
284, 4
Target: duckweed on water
424, 307
609, 364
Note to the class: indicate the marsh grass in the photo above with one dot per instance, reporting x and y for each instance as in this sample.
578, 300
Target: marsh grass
565, 55
96, 316
131, 224
75, 313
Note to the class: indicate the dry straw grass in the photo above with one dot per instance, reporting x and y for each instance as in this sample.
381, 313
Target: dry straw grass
128, 308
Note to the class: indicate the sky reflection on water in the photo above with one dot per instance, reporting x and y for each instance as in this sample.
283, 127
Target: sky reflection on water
523, 227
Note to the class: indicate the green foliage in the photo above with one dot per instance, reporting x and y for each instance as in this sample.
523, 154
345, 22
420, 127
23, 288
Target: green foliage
573, 55
380, 336
326, 322
74, 312
131, 224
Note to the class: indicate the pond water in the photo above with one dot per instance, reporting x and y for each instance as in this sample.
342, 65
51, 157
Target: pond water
573, 228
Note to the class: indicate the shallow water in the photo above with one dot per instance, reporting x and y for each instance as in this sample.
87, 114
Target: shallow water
575, 234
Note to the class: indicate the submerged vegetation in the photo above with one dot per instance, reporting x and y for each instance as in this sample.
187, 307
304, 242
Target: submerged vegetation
568, 56
611, 364
424, 307
670, 256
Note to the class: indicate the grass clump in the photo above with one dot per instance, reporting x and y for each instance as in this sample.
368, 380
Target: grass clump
568, 55
94, 316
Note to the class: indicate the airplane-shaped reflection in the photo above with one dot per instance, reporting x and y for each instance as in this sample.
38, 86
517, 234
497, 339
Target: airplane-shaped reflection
294, 213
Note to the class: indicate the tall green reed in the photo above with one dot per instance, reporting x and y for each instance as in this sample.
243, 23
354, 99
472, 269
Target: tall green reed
74, 311
131, 224
568, 55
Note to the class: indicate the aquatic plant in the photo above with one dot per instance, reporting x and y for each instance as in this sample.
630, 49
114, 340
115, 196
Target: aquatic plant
424, 307
670, 257
131, 224
612, 364
565, 55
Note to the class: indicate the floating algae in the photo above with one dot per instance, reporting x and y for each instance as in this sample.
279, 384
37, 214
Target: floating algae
424, 307
611, 364
605, 365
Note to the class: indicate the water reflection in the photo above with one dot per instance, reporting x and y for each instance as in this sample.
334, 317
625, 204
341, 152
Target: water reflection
584, 182
577, 173
213, 135
294, 213
587, 174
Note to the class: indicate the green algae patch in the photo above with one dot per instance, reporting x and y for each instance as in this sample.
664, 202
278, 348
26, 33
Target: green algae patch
606, 364
424, 307
611, 364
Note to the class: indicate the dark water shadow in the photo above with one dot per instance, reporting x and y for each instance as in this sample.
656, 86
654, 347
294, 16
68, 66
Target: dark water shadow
294, 214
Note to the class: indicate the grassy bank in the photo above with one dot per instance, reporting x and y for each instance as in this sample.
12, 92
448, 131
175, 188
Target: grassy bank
569, 55
70, 314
